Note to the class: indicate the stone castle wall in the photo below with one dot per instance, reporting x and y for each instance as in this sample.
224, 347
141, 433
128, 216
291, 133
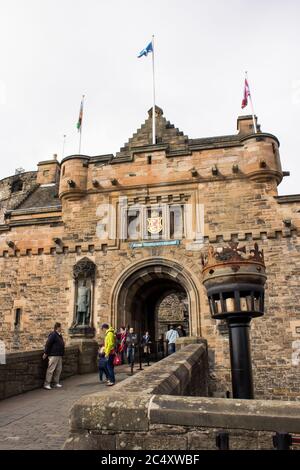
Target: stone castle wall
42, 286
171, 310
9, 199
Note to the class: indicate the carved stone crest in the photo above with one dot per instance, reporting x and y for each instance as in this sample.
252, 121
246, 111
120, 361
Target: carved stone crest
154, 223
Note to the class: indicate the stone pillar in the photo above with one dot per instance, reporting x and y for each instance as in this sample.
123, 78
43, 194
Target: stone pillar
87, 361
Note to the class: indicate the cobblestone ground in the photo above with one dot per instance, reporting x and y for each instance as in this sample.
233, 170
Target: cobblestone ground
40, 419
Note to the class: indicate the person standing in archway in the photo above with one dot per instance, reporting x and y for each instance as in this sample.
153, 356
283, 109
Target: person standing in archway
122, 346
181, 331
171, 337
132, 342
109, 350
146, 345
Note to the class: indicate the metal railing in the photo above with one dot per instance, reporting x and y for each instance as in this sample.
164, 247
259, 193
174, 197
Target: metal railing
151, 352
281, 440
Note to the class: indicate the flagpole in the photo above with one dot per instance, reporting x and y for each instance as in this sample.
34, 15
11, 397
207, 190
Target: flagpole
79, 151
251, 103
63, 145
153, 83
80, 130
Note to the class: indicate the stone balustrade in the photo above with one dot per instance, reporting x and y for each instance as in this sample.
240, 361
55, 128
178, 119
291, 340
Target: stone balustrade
165, 407
25, 371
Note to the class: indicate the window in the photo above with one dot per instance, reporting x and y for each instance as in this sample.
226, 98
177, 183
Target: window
133, 227
176, 213
16, 186
17, 322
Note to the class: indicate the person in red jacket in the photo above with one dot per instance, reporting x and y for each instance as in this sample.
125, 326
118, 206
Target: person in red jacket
122, 347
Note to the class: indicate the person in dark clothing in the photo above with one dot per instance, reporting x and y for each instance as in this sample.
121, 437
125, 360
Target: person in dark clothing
181, 331
146, 339
146, 345
132, 342
102, 365
54, 350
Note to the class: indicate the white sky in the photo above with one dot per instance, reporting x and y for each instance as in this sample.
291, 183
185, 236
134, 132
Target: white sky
53, 51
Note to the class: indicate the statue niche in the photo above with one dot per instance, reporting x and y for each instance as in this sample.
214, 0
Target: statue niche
83, 304
84, 277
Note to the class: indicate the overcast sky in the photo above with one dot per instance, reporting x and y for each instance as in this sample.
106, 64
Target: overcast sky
53, 51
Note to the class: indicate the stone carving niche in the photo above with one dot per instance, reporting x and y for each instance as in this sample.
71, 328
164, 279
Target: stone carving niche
172, 310
84, 285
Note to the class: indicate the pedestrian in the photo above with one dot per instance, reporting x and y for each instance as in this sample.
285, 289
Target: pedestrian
132, 342
146, 344
109, 350
54, 350
171, 337
102, 364
122, 344
181, 331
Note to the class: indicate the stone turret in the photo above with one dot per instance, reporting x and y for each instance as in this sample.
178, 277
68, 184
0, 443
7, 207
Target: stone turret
73, 179
261, 152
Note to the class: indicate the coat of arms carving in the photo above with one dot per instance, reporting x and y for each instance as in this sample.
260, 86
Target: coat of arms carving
154, 223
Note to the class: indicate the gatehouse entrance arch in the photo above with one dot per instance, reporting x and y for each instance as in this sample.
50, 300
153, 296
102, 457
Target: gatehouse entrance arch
145, 295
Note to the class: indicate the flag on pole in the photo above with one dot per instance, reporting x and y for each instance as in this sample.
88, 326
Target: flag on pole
246, 94
146, 50
79, 123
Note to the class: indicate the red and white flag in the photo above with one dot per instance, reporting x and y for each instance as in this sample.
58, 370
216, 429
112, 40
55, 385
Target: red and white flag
246, 94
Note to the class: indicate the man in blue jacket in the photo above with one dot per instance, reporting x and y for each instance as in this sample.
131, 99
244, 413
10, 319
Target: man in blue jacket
54, 350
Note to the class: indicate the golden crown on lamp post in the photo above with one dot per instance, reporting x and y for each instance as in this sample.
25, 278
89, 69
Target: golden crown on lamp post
234, 280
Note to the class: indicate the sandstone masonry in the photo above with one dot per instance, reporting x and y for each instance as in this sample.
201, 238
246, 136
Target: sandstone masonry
225, 188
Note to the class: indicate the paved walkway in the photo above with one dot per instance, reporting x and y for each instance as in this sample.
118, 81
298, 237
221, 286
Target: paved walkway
40, 419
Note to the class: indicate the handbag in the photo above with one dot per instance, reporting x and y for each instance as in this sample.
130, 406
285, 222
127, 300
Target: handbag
117, 360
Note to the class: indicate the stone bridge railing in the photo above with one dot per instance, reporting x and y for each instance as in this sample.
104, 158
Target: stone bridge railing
25, 371
97, 419
166, 407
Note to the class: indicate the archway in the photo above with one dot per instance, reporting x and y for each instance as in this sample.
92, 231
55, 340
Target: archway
140, 288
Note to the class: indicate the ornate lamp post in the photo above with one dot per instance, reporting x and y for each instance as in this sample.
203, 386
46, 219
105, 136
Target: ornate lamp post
235, 282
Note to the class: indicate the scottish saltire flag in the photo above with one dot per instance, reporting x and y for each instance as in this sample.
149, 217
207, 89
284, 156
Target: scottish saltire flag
79, 122
146, 50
